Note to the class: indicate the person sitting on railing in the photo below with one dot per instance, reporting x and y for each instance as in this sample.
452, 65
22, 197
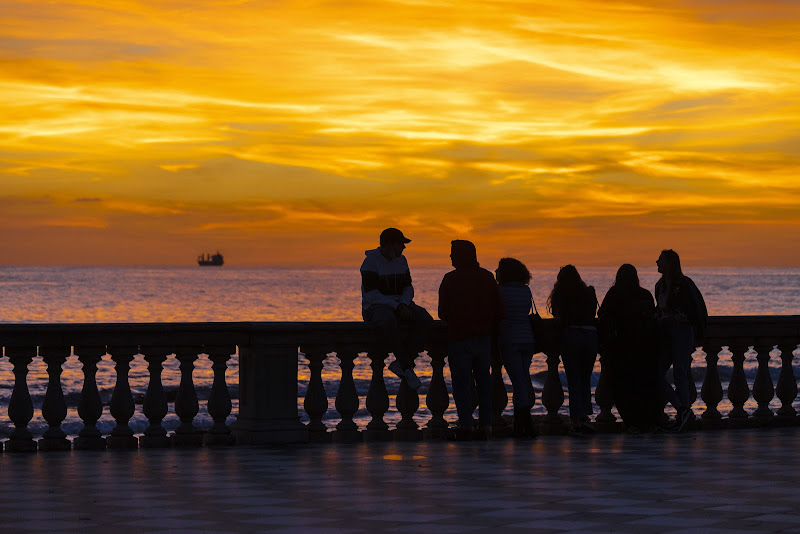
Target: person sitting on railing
630, 356
682, 317
469, 302
387, 303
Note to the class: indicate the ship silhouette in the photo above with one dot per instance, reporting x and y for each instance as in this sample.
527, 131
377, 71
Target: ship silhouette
205, 260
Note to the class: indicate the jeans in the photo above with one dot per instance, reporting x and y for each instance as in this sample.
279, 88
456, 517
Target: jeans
468, 356
579, 351
677, 346
517, 361
404, 348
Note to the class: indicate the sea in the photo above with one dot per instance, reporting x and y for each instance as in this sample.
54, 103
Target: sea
102, 294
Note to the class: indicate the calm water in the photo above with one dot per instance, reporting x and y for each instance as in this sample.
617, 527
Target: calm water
163, 294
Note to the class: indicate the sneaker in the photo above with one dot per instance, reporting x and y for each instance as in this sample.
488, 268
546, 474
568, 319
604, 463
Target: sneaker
397, 369
587, 427
683, 419
411, 379
482, 433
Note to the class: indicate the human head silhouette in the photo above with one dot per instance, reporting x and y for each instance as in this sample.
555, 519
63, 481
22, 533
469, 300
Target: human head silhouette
627, 277
511, 270
463, 254
669, 263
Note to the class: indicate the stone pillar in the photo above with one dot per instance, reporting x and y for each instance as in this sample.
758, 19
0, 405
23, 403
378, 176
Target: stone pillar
787, 387
54, 407
377, 400
738, 390
90, 407
122, 405
605, 421
763, 390
20, 406
552, 397
186, 404
219, 399
438, 399
711, 392
499, 397
347, 399
316, 401
407, 403
268, 396
155, 402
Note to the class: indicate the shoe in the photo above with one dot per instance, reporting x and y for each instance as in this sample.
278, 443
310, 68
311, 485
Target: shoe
683, 418
459, 434
482, 433
411, 379
587, 427
397, 369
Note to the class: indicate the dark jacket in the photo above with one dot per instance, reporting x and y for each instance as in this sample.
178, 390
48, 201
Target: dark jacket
626, 319
469, 300
685, 298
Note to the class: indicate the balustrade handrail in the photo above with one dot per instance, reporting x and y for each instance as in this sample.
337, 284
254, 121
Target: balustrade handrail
268, 379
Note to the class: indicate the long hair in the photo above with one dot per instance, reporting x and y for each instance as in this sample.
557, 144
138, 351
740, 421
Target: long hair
511, 270
567, 291
627, 278
673, 269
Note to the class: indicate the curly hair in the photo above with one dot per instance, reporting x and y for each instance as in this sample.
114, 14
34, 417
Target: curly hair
567, 291
511, 270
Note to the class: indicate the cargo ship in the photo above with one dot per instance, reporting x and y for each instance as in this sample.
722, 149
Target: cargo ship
205, 260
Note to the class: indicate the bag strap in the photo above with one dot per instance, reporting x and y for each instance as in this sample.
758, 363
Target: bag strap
534, 306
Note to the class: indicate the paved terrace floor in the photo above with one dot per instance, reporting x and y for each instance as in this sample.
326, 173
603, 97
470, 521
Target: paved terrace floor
731, 481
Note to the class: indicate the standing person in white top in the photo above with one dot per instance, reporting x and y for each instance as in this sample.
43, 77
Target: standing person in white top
387, 303
515, 339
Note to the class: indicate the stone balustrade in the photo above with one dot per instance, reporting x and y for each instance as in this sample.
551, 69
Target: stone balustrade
268, 382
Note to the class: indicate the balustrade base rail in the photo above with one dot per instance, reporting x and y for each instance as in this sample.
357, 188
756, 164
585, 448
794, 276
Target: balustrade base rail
268, 382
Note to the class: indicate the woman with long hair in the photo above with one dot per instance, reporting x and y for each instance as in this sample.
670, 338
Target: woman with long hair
630, 356
682, 317
573, 305
515, 339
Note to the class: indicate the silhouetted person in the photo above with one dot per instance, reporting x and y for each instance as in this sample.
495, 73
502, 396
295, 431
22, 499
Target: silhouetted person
682, 317
387, 302
630, 351
470, 303
573, 305
515, 338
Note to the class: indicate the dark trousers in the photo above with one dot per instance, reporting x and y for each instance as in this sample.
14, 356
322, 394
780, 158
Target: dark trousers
578, 352
467, 357
677, 346
404, 347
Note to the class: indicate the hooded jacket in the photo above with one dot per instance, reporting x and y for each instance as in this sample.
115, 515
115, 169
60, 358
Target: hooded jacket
468, 296
385, 282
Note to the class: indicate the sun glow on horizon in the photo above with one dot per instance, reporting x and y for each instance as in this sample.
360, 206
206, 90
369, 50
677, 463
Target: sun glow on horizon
291, 133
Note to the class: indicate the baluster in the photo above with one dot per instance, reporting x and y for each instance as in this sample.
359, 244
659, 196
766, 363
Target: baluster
122, 405
763, 391
499, 397
787, 387
155, 402
54, 406
316, 401
605, 421
186, 404
90, 407
711, 391
347, 399
377, 400
219, 399
407, 403
738, 390
552, 397
692, 385
438, 399
20, 406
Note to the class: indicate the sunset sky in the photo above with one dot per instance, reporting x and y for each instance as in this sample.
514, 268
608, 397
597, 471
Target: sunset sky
293, 132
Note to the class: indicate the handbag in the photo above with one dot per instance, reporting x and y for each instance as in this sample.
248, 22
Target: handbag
536, 326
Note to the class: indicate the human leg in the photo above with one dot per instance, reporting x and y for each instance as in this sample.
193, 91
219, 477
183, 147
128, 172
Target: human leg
419, 329
588, 346
481, 363
459, 359
665, 362
570, 356
682, 349
515, 359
